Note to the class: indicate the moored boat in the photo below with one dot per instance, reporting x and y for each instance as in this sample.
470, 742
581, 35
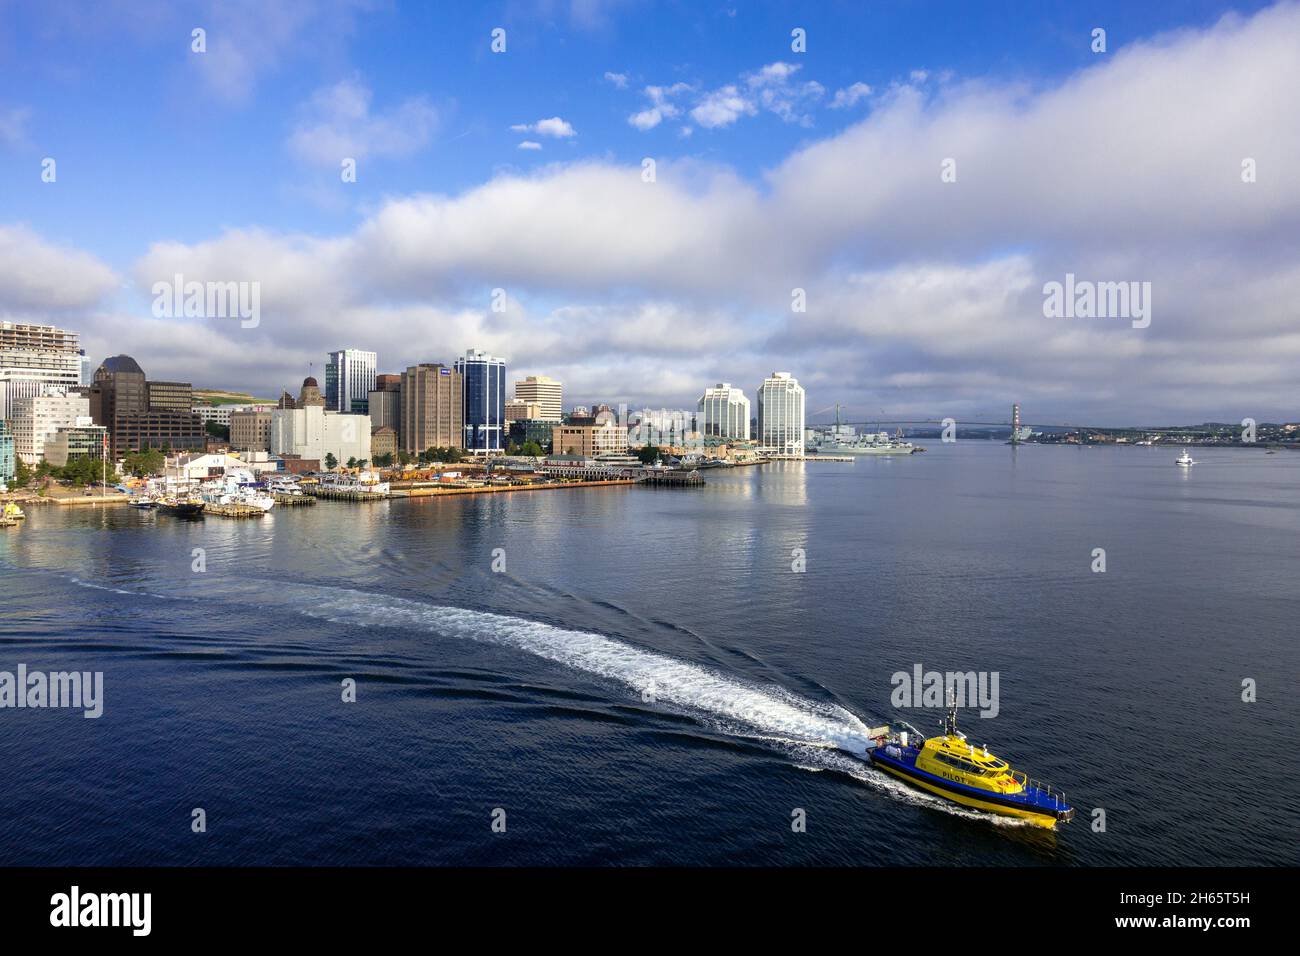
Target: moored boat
183, 506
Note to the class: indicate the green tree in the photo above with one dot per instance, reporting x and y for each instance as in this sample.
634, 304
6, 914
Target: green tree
23, 473
217, 430
330, 461
648, 454
352, 462
532, 449
147, 461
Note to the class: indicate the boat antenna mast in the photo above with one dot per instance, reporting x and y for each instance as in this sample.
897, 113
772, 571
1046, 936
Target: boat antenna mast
950, 719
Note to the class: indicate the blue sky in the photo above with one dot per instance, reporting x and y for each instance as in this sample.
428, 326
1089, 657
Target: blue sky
165, 155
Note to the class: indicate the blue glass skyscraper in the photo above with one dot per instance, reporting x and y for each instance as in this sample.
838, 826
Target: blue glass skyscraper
484, 403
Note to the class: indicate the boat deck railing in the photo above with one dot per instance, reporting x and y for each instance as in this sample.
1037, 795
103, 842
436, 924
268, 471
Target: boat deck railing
1039, 786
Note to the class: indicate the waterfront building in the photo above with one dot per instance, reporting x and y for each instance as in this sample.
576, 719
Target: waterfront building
483, 413
385, 403
547, 393
221, 414
37, 418
8, 461
383, 441
349, 379
83, 440
724, 412
534, 430
665, 427
187, 467
35, 356
166, 430
588, 438
313, 431
120, 399
432, 405
781, 415
250, 430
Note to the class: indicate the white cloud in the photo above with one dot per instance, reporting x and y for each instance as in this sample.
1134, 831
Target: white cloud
37, 276
554, 127
618, 79
247, 41
661, 106
338, 123
776, 92
722, 107
849, 96
529, 144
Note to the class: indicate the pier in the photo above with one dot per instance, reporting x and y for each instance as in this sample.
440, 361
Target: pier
290, 501
232, 510
346, 494
429, 491
672, 478
812, 458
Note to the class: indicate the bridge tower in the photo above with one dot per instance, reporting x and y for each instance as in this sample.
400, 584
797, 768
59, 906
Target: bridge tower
1015, 424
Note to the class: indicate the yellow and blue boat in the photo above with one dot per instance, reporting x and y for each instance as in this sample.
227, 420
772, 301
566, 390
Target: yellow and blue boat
950, 767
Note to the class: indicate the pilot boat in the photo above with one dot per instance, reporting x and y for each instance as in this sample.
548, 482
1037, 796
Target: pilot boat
949, 766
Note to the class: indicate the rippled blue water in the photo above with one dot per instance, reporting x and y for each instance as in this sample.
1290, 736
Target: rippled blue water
649, 681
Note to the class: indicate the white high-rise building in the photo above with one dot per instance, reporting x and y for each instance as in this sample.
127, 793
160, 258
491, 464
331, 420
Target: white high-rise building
724, 413
37, 418
547, 393
33, 357
349, 378
781, 415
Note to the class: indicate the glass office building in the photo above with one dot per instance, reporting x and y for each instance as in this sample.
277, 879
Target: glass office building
484, 403
349, 378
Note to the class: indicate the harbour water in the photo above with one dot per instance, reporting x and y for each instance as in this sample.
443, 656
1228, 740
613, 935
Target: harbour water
647, 681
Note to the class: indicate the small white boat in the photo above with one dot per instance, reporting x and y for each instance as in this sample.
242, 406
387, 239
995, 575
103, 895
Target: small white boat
284, 486
1185, 460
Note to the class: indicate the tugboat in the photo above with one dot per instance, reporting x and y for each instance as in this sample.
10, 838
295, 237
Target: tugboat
949, 767
1185, 460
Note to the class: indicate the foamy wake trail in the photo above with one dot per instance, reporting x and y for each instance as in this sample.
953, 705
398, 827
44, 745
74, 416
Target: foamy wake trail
814, 734
766, 712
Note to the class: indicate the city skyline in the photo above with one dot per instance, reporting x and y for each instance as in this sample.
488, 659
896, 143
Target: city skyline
814, 175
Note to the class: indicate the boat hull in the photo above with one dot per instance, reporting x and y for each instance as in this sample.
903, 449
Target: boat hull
1007, 805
